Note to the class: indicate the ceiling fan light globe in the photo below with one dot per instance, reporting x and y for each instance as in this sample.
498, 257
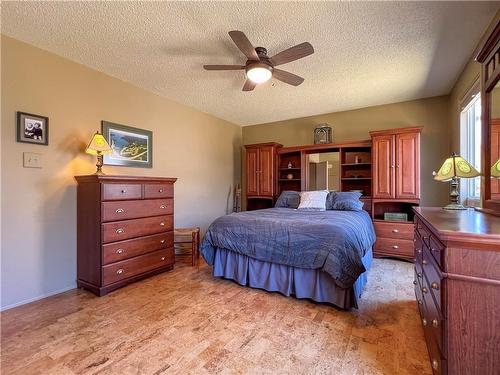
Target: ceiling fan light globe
259, 74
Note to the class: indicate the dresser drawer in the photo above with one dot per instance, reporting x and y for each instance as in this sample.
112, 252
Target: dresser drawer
396, 247
122, 210
122, 250
438, 362
158, 191
122, 230
112, 192
436, 249
422, 231
394, 230
135, 266
434, 277
417, 282
433, 323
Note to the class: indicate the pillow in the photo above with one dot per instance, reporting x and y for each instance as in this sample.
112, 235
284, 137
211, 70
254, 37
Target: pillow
346, 201
288, 199
313, 200
329, 199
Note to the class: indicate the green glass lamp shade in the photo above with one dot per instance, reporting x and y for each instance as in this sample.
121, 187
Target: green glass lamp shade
495, 169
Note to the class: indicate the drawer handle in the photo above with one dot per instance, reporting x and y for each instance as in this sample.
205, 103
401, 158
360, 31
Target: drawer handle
435, 364
414, 282
395, 246
424, 322
424, 262
162, 224
160, 190
419, 302
120, 210
124, 191
432, 249
120, 251
425, 290
419, 274
162, 258
120, 231
395, 231
435, 285
162, 241
435, 322
163, 206
119, 272
419, 251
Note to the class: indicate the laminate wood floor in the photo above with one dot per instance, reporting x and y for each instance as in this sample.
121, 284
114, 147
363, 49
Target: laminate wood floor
186, 321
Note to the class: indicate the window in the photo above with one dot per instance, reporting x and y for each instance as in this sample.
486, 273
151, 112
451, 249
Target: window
470, 146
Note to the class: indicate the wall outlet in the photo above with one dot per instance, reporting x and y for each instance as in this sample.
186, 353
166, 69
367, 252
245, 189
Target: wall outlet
32, 160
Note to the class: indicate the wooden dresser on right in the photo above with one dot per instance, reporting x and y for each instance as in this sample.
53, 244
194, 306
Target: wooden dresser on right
457, 286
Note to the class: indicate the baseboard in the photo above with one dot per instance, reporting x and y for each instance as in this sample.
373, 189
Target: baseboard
29, 300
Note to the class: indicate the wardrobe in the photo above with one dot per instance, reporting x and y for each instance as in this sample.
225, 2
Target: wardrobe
261, 174
395, 189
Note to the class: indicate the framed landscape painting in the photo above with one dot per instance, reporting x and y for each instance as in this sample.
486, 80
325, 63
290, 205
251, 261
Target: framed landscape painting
132, 147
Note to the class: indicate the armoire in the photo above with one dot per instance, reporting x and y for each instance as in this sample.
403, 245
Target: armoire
386, 168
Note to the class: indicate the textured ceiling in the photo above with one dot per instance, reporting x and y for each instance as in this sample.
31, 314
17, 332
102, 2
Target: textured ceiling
366, 53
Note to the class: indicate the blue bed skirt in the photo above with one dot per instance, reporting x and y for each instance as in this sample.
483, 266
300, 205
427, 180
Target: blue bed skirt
300, 282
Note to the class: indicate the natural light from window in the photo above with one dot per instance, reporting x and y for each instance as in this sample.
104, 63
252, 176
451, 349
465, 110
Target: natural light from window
470, 148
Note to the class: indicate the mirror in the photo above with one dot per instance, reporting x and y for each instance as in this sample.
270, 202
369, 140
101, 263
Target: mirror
323, 171
494, 126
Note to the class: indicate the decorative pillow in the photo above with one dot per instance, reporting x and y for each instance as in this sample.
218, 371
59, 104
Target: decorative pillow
346, 201
288, 199
329, 199
313, 200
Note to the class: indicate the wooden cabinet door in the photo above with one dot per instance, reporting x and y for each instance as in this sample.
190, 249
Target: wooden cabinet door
408, 166
495, 155
383, 166
252, 172
266, 171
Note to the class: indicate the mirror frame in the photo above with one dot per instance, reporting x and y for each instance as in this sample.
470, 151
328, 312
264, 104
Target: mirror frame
489, 58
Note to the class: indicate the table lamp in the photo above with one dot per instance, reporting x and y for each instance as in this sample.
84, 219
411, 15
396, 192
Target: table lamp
98, 146
453, 168
495, 169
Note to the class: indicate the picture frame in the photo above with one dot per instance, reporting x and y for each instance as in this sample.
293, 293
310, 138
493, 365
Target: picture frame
132, 147
31, 128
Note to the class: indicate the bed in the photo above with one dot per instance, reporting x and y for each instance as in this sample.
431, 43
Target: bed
319, 255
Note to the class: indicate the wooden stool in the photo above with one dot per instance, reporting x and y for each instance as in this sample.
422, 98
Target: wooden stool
192, 236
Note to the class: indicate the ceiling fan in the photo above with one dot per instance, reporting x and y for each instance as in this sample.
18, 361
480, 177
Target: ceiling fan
259, 68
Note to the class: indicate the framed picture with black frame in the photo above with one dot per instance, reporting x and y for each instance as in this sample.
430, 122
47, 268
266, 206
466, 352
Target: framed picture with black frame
32, 128
132, 147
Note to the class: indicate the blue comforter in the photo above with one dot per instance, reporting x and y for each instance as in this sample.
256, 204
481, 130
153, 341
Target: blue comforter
333, 241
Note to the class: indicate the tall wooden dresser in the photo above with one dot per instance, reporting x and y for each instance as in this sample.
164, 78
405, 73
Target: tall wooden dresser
457, 286
261, 172
124, 230
395, 188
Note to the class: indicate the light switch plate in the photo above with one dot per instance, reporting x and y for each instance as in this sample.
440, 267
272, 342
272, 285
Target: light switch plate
32, 160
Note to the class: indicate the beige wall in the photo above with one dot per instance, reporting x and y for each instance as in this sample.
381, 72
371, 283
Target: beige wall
432, 113
39, 205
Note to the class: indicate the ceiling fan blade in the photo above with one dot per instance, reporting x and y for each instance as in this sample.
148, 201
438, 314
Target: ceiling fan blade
223, 67
287, 77
294, 53
242, 42
249, 85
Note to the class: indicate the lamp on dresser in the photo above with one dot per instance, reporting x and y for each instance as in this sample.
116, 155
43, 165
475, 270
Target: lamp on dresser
495, 169
98, 146
453, 168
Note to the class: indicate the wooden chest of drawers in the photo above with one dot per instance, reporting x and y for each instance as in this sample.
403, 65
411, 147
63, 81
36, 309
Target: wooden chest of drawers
457, 286
124, 230
394, 239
